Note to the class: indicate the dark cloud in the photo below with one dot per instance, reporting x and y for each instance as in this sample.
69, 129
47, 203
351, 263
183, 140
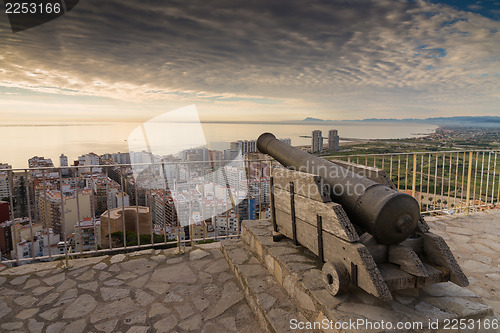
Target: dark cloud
318, 52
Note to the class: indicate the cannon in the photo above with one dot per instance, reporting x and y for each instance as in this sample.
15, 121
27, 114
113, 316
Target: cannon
388, 215
367, 234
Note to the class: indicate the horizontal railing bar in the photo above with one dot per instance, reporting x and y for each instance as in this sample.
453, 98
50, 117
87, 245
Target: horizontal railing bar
415, 153
215, 162
218, 162
118, 249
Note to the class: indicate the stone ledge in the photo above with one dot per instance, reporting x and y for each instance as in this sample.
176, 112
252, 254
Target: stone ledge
299, 272
269, 302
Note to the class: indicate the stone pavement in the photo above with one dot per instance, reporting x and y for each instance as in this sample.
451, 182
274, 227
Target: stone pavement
144, 291
474, 240
159, 291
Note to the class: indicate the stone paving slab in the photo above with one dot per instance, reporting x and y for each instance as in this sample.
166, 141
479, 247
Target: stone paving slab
474, 240
143, 291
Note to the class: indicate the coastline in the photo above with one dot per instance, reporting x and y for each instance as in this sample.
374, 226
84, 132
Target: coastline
73, 141
347, 142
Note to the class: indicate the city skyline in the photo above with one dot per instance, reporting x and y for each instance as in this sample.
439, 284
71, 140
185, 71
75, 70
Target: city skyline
242, 62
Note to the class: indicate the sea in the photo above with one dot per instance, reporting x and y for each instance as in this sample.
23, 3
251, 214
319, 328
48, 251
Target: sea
21, 142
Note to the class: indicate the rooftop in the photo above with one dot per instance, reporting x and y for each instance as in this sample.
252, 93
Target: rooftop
117, 212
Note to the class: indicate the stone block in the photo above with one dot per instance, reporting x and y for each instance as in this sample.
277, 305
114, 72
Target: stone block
258, 249
266, 298
269, 262
305, 301
289, 284
277, 274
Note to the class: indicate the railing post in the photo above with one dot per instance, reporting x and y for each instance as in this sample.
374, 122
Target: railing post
248, 187
406, 173
469, 174
28, 196
414, 184
475, 182
63, 218
10, 181
150, 207
122, 188
237, 206
78, 216
108, 198
227, 190
138, 227
399, 168
273, 208
421, 181
441, 206
493, 181
46, 211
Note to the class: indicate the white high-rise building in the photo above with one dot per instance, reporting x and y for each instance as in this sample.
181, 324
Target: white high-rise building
244, 146
333, 140
89, 159
51, 214
250, 146
63, 162
87, 234
118, 199
4, 180
121, 158
317, 141
40, 162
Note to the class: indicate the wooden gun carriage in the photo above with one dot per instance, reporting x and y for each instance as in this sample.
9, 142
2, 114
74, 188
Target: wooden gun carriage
375, 239
303, 211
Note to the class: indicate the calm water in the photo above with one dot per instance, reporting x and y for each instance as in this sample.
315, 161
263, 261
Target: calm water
19, 143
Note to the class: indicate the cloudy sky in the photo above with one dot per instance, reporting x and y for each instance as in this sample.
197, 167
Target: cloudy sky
254, 60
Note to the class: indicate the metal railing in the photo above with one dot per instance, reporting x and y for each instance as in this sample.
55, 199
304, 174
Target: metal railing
43, 212
443, 182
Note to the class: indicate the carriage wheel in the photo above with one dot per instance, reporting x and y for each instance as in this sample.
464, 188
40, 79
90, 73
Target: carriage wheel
336, 277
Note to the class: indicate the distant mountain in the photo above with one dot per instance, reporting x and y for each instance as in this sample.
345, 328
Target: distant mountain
381, 119
462, 121
439, 120
473, 119
312, 119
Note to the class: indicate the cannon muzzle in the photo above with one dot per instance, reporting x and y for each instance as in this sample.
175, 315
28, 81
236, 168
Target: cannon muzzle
388, 215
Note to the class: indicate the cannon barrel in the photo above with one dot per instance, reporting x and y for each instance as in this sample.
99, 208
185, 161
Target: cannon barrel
388, 215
